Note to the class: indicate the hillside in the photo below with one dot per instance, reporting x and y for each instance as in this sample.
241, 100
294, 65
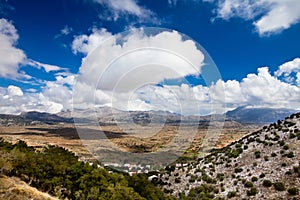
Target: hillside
261, 165
58, 172
15, 189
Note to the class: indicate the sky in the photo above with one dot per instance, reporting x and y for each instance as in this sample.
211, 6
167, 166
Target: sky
199, 57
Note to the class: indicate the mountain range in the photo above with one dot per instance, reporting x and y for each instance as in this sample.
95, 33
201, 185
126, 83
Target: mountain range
107, 115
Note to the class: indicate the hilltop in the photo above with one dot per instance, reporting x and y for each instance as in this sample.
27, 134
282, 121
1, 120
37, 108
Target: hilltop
261, 165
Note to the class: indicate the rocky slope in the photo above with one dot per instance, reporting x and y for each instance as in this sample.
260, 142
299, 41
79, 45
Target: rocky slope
261, 165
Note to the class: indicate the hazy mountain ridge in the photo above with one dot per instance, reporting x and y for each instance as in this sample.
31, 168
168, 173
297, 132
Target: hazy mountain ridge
110, 115
32, 118
261, 165
246, 114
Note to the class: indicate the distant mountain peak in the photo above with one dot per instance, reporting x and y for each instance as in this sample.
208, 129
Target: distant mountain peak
250, 114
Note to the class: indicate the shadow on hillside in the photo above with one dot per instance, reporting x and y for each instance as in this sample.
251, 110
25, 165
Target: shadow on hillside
71, 133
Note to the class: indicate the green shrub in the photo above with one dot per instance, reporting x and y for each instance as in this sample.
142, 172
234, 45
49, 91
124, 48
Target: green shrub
262, 175
248, 184
231, 194
266, 158
238, 170
220, 176
292, 135
279, 186
257, 154
267, 183
286, 147
254, 179
252, 192
192, 179
290, 154
177, 180
283, 164
293, 191
297, 170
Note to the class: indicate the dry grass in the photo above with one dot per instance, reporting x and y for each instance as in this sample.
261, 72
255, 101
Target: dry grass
15, 189
139, 139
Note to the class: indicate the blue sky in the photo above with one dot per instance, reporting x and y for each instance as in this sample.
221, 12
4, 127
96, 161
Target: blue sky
241, 37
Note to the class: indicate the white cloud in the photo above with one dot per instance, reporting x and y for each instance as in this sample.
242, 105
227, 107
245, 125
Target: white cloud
261, 90
264, 89
268, 16
55, 95
59, 94
14, 101
14, 91
121, 7
298, 79
281, 16
290, 71
68, 79
48, 68
10, 56
124, 75
87, 43
66, 30
123, 66
289, 67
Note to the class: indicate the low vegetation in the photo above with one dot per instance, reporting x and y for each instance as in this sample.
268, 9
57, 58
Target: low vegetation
58, 172
263, 164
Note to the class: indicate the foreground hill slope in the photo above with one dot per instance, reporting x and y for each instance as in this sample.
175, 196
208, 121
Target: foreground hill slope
15, 189
261, 165
58, 172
